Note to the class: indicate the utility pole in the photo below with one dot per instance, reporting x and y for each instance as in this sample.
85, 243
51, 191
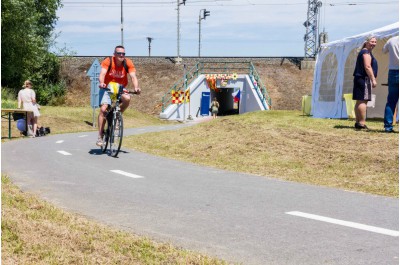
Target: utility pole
205, 14
122, 24
178, 59
149, 39
312, 30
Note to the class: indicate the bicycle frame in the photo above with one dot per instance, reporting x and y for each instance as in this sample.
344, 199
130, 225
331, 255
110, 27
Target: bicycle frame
113, 135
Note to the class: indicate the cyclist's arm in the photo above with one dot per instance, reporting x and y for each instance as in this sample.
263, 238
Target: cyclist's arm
102, 76
135, 82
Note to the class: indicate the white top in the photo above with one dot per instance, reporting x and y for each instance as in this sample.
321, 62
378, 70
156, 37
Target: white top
392, 47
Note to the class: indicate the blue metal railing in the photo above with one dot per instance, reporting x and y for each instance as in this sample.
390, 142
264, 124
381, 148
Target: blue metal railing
220, 68
260, 88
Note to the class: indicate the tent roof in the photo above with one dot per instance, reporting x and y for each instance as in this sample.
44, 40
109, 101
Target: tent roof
389, 30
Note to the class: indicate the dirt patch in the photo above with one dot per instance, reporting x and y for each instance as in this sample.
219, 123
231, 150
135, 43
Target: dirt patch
285, 82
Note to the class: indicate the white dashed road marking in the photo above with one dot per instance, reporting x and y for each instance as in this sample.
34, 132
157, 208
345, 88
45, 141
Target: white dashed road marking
64, 153
126, 174
81, 136
346, 223
60, 141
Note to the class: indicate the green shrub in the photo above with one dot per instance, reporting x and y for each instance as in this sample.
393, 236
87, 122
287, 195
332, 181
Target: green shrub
8, 98
51, 94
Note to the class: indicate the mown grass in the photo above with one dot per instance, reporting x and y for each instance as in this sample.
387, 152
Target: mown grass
288, 146
35, 232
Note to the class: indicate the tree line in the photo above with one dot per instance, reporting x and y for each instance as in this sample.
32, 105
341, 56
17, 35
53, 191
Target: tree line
26, 38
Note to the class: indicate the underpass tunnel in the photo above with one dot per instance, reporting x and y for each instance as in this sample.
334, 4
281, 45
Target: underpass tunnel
226, 101
235, 97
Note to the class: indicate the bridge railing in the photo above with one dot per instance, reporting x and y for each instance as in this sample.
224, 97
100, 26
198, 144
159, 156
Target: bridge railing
260, 87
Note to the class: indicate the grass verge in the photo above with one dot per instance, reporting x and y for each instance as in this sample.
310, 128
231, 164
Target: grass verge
35, 232
288, 146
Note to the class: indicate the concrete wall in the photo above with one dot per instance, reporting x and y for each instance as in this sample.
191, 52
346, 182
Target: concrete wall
249, 100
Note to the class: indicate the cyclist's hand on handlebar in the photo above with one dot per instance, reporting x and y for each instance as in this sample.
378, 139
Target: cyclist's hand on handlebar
102, 85
126, 91
137, 90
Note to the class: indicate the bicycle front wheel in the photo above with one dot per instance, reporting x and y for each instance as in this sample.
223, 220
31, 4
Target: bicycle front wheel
116, 135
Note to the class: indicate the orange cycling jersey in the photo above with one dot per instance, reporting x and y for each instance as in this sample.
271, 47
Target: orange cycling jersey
117, 74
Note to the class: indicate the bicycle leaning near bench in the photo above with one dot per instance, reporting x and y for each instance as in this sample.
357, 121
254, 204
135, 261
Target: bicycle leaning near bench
114, 127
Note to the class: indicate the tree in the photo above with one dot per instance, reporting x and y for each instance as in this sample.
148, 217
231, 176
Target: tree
26, 36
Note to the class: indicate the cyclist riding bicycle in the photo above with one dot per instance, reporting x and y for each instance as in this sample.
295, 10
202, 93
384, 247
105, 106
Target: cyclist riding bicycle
115, 69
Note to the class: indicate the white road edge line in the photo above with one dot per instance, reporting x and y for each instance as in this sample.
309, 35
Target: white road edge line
127, 174
346, 223
64, 153
60, 141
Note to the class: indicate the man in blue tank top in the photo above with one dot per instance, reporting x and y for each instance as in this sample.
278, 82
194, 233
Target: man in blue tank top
392, 47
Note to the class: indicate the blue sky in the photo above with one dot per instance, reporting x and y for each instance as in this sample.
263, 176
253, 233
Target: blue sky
234, 27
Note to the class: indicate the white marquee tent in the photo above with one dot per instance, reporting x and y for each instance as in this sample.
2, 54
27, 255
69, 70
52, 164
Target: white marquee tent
333, 75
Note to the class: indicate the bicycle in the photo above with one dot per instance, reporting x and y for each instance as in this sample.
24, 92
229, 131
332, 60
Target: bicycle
114, 123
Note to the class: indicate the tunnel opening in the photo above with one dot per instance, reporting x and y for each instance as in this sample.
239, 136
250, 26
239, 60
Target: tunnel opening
227, 104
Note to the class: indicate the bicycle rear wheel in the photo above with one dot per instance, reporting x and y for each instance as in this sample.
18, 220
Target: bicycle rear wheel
116, 135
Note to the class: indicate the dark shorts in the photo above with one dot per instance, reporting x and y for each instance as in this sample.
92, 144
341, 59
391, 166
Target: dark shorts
362, 88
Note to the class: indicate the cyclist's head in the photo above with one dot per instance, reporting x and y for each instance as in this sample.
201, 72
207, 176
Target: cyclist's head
119, 47
119, 50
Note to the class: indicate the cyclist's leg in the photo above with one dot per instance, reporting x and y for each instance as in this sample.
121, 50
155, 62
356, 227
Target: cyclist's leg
102, 118
125, 100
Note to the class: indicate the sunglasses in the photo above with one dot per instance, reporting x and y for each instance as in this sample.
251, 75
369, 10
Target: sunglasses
120, 53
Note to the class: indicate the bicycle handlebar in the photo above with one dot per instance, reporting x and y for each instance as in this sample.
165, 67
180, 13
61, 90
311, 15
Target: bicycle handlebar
126, 91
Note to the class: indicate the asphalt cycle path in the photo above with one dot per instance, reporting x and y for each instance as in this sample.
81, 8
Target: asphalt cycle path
234, 216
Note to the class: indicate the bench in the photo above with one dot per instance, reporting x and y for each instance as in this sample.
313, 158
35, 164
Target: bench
8, 114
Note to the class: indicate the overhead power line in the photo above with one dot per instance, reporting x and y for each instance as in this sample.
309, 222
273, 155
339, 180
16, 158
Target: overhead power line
217, 2
362, 3
138, 2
